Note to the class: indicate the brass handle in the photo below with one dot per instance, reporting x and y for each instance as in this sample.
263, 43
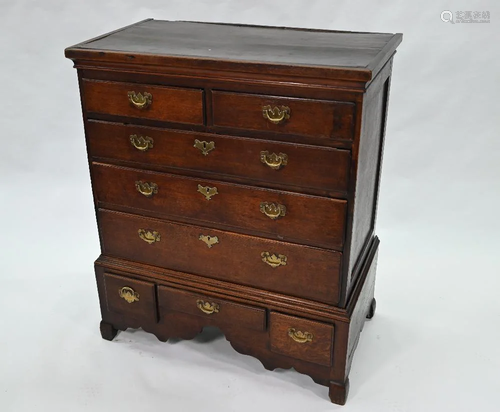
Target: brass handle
207, 191
129, 294
149, 236
142, 143
209, 240
146, 189
276, 115
207, 307
139, 100
273, 160
273, 260
205, 147
273, 210
300, 337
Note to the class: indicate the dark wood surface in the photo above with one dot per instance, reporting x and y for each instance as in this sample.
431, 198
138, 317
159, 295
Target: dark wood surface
174, 150
168, 103
346, 54
363, 197
144, 308
244, 111
210, 82
317, 350
234, 206
177, 324
309, 272
175, 300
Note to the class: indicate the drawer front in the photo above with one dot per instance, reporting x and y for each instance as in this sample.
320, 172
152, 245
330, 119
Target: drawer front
130, 297
316, 221
301, 338
316, 118
258, 160
276, 266
217, 311
169, 104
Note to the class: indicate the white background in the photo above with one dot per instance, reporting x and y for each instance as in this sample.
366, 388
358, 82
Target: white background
433, 345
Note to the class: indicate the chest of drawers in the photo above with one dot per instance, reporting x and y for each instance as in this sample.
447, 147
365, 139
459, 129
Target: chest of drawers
235, 173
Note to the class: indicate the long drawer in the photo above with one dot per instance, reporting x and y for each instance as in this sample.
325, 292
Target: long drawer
281, 267
312, 220
285, 164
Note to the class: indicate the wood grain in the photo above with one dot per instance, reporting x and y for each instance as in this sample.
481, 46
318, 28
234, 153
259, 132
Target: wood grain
318, 350
144, 308
309, 168
309, 272
168, 103
313, 269
228, 312
312, 220
256, 49
175, 324
244, 111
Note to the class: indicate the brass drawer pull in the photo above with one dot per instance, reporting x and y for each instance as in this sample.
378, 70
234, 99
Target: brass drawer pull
273, 260
276, 115
205, 147
139, 100
146, 189
149, 236
273, 160
129, 294
209, 240
300, 337
207, 307
207, 191
273, 210
142, 143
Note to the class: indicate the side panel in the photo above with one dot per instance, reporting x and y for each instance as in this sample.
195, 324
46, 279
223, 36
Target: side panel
369, 161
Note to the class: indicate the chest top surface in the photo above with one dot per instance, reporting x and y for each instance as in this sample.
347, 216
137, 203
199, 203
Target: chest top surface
354, 55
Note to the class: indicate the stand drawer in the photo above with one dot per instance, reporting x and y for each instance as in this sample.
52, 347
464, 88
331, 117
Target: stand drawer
131, 297
300, 338
217, 311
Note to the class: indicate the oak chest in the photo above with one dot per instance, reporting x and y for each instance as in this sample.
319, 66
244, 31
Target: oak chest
235, 172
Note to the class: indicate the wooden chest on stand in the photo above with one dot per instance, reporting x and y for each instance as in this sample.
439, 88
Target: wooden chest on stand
235, 172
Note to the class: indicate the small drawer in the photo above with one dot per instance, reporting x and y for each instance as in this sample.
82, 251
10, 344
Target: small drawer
169, 104
313, 168
131, 297
217, 311
301, 338
306, 117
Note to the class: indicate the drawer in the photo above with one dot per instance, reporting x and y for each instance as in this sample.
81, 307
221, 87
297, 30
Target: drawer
131, 297
281, 267
169, 104
316, 118
301, 338
285, 164
217, 311
312, 220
